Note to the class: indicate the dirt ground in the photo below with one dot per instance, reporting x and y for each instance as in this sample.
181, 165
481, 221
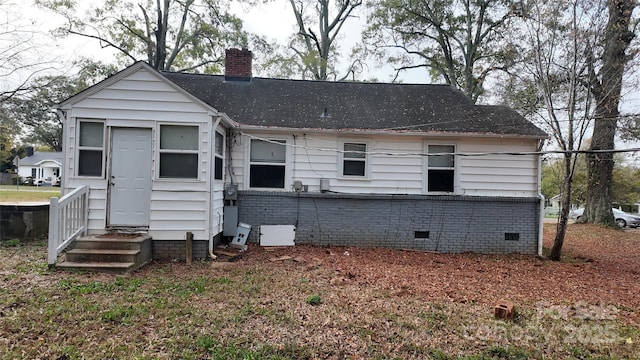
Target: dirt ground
600, 265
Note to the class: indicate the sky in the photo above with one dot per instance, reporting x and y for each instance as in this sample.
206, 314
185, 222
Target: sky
274, 21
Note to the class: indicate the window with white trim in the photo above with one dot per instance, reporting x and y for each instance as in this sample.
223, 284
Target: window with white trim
179, 150
218, 160
441, 168
267, 164
90, 148
354, 159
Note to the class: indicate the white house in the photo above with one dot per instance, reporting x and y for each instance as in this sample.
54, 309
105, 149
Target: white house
342, 163
42, 166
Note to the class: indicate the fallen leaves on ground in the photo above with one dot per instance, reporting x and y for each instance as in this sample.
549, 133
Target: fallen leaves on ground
600, 265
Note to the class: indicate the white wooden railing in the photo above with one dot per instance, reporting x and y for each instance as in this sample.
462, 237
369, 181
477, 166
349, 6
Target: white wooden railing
68, 218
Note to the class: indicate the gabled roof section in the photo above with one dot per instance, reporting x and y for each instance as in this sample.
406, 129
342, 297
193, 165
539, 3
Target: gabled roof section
105, 83
39, 157
353, 106
140, 65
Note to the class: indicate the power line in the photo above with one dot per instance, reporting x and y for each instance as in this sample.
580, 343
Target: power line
540, 121
469, 154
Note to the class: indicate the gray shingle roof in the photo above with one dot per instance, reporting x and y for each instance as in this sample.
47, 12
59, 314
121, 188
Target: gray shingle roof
40, 156
352, 106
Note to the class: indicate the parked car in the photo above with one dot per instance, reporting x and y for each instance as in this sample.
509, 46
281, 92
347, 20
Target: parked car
622, 218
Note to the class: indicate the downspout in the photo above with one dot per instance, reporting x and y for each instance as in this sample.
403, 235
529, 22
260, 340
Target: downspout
542, 200
228, 147
212, 190
63, 121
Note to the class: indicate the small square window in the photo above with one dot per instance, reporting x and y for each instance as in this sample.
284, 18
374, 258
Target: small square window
179, 146
90, 163
267, 164
90, 148
354, 159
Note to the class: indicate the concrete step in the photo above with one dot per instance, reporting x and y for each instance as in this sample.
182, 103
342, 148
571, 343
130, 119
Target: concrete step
119, 267
106, 255
103, 242
112, 253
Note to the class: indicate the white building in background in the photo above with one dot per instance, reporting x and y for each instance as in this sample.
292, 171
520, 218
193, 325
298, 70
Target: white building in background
42, 166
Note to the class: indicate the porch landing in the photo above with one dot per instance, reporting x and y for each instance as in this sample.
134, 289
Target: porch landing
121, 253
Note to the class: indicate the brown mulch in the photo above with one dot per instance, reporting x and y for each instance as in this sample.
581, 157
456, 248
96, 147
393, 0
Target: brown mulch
601, 266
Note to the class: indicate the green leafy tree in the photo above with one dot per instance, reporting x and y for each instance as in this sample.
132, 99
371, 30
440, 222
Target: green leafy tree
189, 35
553, 179
35, 111
626, 181
459, 41
9, 130
625, 189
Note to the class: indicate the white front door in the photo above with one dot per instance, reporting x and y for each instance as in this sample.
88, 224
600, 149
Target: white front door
130, 177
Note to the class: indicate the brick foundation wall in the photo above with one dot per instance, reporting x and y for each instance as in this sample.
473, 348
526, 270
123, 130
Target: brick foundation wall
176, 249
435, 223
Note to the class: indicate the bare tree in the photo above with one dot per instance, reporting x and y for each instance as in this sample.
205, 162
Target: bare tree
169, 34
316, 50
549, 87
458, 41
22, 53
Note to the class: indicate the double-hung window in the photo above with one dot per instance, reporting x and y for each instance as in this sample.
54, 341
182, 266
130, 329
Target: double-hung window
218, 157
267, 164
440, 168
354, 159
90, 148
179, 146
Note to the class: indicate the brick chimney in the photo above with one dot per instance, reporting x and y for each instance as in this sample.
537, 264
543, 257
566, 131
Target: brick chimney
237, 65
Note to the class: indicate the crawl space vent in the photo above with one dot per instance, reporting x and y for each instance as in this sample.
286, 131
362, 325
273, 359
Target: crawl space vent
511, 236
421, 234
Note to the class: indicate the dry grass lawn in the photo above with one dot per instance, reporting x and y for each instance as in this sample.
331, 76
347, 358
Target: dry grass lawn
332, 303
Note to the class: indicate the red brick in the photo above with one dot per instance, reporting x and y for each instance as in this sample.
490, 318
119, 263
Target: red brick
504, 310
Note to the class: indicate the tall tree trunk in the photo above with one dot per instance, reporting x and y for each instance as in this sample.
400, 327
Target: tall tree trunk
561, 227
607, 92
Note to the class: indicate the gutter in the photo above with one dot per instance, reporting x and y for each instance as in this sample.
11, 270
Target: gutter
63, 173
277, 129
542, 200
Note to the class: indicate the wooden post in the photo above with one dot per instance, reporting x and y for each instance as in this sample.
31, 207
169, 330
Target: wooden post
189, 247
52, 249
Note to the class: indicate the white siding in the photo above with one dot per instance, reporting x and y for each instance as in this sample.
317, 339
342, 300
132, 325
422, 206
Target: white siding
173, 213
145, 100
217, 197
397, 165
498, 174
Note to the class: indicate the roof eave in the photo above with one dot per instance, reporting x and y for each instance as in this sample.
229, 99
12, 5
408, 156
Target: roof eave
278, 129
